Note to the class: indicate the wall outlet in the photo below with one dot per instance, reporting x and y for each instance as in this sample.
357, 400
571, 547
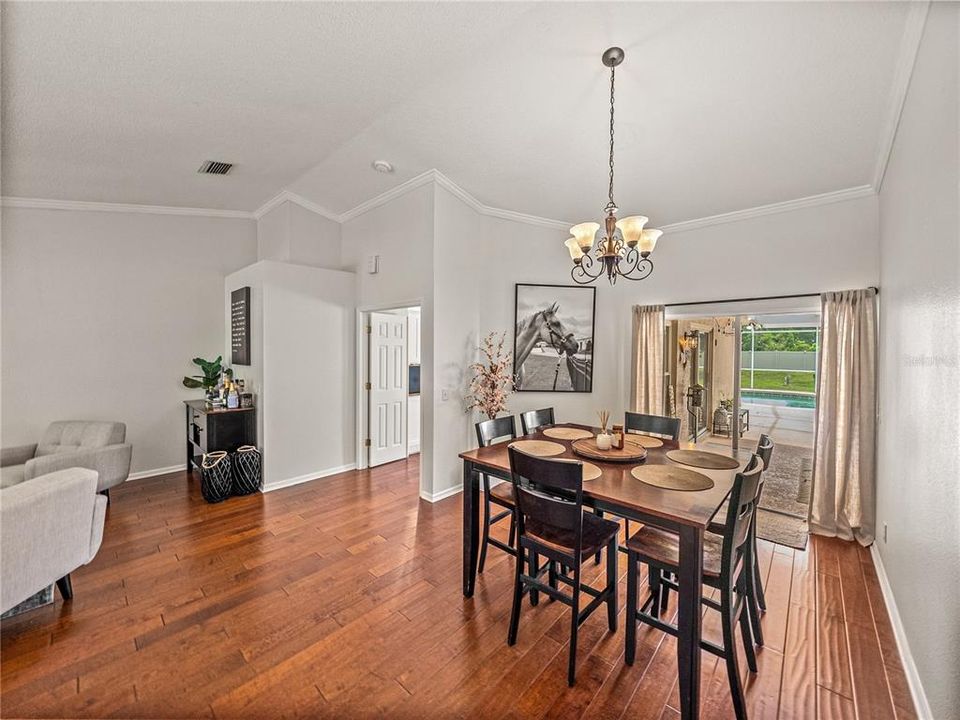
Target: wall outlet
444, 394
884, 533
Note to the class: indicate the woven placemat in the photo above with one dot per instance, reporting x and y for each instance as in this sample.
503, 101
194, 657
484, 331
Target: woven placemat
671, 477
702, 459
567, 433
644, 441
591, 472
540, 448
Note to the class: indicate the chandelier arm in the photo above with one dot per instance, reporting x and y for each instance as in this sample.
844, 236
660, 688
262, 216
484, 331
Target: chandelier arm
582, 272
641, 269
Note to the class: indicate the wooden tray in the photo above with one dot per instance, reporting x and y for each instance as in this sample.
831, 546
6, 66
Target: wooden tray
628, 453
540, 448
671, 477
567, 433
702, 459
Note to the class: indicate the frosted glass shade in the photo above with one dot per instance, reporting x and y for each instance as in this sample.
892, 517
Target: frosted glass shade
632, 228
648, 241
575, 252
584, 234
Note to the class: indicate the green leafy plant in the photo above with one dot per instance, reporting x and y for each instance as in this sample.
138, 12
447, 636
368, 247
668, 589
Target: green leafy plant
212, 370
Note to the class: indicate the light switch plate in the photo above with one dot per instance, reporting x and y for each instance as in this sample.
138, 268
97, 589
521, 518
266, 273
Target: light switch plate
373, 264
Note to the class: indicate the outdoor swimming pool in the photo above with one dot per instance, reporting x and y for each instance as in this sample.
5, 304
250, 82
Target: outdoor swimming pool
795, 400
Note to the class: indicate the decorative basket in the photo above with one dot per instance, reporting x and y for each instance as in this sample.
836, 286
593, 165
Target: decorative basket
246, 470
215, 476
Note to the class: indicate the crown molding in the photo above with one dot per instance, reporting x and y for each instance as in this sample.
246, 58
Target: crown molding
85, 206
392, 194
287, 196
772, 209
907, 59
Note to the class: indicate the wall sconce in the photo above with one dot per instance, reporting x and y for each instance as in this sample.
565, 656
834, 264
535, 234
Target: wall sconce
688, 343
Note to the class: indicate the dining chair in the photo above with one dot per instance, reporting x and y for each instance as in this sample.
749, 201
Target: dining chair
727, 565
533, 420
488, 432
551, 523
652, 425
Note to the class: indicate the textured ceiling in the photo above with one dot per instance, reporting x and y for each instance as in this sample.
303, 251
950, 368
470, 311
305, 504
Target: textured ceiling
721, 106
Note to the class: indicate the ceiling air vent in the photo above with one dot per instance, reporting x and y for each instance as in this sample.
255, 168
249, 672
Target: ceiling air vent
215, 167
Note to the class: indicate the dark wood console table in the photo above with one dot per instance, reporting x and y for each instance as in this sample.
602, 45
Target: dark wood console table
222, 429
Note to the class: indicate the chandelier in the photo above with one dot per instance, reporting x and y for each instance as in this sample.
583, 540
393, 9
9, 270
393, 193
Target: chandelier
623, 248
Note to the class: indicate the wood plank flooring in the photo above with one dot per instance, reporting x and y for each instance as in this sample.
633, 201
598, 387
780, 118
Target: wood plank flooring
341, 598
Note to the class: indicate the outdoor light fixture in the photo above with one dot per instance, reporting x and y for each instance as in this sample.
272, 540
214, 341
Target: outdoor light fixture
623, 247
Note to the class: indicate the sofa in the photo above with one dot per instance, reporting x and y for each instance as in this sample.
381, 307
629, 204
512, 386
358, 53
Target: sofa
92, 444
49, 526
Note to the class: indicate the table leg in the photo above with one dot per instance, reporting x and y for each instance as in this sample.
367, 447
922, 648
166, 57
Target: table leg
471, 526
688, 620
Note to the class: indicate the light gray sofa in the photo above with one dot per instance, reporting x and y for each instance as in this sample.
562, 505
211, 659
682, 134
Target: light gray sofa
49, 526
91, 444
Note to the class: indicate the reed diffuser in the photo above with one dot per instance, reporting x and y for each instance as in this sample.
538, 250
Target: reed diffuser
604, 441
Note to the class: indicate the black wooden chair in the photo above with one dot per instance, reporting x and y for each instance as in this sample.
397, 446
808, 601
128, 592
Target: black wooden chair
551, 523
727, 565
488, 432
652, 425
533, 420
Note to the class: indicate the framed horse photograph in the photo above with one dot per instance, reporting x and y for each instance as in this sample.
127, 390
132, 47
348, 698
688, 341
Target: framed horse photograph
553, 338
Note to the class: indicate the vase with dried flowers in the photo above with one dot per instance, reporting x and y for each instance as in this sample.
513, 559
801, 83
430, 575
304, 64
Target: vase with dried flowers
492, 380
604, 440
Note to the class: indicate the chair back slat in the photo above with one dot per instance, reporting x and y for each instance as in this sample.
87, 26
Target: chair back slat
765, 449
653, 424
740, 511
548, 492
499, 428
533, 420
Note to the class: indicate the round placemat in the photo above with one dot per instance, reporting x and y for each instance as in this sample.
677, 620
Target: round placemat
591, 472
567, 433
645, 441
702, 459
671, 477
628, 453
540, 448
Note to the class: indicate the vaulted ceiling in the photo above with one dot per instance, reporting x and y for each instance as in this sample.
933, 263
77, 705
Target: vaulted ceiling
720, 106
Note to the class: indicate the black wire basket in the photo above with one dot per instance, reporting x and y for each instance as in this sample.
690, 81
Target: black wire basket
247, 465
215, 476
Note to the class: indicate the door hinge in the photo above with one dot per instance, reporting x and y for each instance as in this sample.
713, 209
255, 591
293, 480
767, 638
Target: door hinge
369, 329
367, 386
366, 443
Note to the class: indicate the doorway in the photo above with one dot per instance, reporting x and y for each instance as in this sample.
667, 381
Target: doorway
389, 413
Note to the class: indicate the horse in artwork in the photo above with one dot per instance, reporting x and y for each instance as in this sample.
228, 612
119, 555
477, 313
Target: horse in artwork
545, 327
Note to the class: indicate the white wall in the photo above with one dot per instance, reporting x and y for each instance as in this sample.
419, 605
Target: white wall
291, 233
918, 489
102, 313
303, 367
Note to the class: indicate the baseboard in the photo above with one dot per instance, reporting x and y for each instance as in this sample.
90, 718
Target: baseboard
906, 657
413, 449
156, 471
289, 482
437, 497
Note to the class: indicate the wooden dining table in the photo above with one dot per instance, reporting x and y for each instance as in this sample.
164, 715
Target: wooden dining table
686, 513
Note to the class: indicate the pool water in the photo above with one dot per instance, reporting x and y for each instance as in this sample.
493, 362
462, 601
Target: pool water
794, 400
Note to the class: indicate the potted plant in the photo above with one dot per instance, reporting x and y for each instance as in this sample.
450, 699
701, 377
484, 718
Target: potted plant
212, 370
492, 380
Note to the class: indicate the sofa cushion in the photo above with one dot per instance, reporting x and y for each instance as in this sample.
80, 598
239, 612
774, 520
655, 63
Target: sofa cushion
11, 475
71, 435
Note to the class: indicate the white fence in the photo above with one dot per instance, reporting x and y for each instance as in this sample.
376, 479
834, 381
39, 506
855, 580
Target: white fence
778, 360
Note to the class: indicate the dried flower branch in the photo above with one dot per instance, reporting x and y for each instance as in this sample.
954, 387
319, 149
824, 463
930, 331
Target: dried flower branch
492, 379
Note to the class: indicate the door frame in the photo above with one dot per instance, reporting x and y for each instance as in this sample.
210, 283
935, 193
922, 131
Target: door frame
363, 375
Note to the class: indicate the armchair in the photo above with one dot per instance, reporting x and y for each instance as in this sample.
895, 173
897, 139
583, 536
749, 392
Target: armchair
49, 527
66, 444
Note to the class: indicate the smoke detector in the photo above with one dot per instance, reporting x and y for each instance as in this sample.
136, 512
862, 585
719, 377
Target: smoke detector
215, 167
382, 166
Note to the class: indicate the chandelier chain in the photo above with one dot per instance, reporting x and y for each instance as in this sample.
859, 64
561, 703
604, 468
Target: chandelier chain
610, 189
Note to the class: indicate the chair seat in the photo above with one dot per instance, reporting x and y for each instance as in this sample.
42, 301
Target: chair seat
597, 533
663, 548
503, 494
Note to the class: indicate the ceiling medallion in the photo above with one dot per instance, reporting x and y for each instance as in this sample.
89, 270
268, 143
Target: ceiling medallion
622, 248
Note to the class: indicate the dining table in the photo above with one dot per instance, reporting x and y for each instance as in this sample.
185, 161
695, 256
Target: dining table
684, 512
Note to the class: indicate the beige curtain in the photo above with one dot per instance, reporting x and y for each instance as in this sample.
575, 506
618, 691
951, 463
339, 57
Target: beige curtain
842, 498
647, 382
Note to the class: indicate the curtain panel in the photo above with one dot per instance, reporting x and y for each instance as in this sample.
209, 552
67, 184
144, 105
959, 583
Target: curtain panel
844, 461
647, 376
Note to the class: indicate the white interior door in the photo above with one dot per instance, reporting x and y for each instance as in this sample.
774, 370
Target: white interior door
388, 388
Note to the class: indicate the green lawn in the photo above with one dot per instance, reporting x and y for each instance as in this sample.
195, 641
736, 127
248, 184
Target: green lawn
779, 380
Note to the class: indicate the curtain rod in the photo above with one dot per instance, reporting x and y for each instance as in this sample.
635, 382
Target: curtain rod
754, 299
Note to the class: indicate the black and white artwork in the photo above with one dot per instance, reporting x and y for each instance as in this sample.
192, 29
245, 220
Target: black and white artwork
553, 340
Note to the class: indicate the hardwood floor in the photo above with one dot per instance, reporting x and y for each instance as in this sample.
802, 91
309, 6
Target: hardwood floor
341, 598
